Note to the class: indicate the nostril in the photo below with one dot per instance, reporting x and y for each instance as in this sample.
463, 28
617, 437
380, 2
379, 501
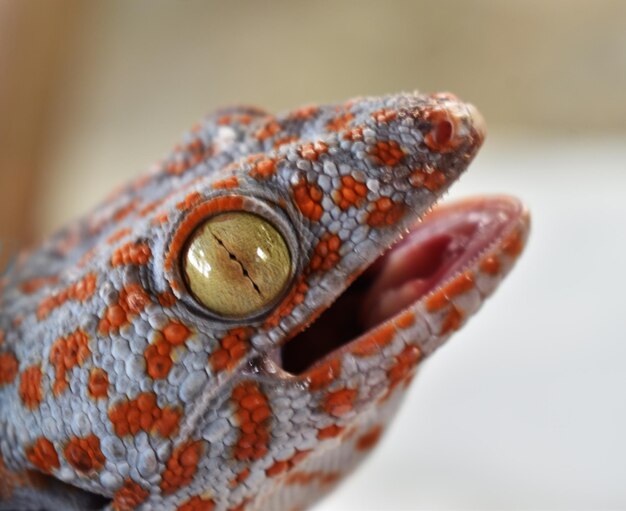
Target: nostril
442, 136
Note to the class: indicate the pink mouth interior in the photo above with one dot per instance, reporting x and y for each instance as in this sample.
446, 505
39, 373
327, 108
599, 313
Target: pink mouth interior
445, 243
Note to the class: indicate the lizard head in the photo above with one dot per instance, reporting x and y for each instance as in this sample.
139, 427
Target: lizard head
332, 190
253, 308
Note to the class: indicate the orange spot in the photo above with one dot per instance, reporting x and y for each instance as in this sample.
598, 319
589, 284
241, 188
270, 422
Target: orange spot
462, 284
331, 431
405, 319
176, 333
490, 265
188, 156
513, 244
167, 299
452, 321
131, 253
340, 123
84, 454
163, 218
132, 300
197, 503
308, 198
10, 480
304, 113
339, 402
98, 385
80, 291
404, 363
282, 466
241, 477
437, 301
234, 346
141, 182
324, 374
118, 235
386, 153
129, 496
302, 478
124, 211
158, 359
33, 285
43, 455
30, 387
326, 253
230, 182
284, 141
87, 256
350, 193
225, 120
313, 150
432, 181
329, 478
191, 200
253, 412
151, 207
263, 168
375, 341
384, 115
270, 129
8, 368
181, 467
386, 212
306, 478
354, 134
158, 355
143, 414
369, 439
65, 354
277, 468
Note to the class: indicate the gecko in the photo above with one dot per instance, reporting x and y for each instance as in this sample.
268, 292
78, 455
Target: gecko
234, 329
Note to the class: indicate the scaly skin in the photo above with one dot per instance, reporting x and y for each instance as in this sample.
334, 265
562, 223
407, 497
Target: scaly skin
115, 382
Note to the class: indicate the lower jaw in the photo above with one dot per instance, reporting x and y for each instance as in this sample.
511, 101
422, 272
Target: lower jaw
445, 243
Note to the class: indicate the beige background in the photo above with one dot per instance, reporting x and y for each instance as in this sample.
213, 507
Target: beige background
93, 92
525, 410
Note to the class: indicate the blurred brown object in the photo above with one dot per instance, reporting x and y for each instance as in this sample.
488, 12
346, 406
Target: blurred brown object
32, 42
94, 92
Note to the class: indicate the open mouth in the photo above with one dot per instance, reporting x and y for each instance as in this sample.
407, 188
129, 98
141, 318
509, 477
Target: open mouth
445, 243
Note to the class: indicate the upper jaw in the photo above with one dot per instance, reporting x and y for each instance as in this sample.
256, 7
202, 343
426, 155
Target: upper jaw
420, 291
407, 161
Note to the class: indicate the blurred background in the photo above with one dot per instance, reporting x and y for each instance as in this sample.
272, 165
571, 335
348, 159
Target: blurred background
525, 409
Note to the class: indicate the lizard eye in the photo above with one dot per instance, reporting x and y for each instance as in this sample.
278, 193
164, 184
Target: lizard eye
237, 264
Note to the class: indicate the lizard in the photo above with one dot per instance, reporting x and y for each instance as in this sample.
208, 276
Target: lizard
235, 329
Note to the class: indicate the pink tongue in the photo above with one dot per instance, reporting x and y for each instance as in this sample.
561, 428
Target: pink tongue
409, 271
429, 255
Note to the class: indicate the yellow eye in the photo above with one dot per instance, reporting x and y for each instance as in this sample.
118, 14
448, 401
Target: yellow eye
237, 264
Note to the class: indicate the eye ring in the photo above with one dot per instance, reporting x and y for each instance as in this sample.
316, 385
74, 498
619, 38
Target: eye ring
237, 220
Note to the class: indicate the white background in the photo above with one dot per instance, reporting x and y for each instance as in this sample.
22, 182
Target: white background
524, 408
